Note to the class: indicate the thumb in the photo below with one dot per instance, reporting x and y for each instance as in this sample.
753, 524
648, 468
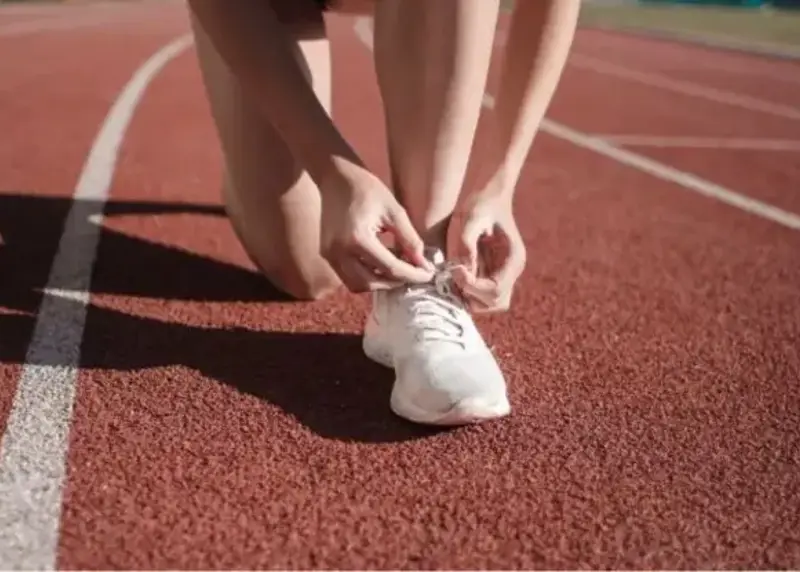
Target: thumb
409, 239
468, 240
516, 257
484, 290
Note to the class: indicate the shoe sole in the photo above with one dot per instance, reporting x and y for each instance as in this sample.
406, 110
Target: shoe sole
468, 411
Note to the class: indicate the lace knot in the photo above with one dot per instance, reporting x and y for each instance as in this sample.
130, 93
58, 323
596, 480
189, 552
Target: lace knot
436, 309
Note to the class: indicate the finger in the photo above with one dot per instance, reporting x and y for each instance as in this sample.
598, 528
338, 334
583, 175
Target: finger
376, 255
483, 295
471, 235
504, 278
511, 268
409, 239
476, 288
502, 305
359, 278
484, 290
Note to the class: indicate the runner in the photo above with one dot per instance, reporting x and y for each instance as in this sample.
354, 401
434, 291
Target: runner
313, 217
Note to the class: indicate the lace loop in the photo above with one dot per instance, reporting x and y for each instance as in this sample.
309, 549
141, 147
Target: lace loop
436, 309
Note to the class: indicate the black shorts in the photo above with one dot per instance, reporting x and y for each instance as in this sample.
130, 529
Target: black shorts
299, 11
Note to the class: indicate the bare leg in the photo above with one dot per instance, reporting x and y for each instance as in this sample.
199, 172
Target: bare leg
273, 204
432, 59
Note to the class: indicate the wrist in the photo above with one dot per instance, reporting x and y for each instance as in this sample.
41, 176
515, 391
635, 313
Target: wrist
497, 186
334, 171
330, 159
495, 199
501, 165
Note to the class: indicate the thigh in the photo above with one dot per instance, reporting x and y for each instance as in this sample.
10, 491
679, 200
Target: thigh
272, 203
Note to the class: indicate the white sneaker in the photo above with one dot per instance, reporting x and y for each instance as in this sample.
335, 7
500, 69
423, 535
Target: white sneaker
445, 372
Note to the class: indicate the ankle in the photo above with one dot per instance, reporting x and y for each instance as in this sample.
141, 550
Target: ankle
435, 235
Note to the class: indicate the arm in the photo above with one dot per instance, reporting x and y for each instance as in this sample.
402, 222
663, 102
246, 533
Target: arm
252, 41
538, 44
535, 55
355, 203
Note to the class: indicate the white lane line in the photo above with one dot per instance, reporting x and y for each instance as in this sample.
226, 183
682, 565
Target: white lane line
726, 48
745, 143
671, 174
685, 87
34, 447
647, 165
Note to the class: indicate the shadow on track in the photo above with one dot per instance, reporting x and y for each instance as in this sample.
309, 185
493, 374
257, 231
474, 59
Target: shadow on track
322, 380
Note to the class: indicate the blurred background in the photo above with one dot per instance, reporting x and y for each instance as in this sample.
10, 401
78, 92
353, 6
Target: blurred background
768, 25
771, 24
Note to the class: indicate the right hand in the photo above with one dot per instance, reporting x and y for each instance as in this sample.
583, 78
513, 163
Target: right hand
356, 208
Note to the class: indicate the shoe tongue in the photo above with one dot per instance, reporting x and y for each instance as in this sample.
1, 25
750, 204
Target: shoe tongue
442, 283
438, 317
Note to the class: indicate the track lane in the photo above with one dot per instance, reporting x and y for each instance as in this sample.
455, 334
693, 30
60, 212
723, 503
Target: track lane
770, 79
650, 375
648, 352
60, 18
42, 154
770, 176
18, 11
597, 103
622, 107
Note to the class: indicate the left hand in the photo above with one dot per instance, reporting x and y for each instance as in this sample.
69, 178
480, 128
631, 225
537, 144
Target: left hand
485, 238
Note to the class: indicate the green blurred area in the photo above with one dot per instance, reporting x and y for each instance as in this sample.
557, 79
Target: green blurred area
765, 25
758, 25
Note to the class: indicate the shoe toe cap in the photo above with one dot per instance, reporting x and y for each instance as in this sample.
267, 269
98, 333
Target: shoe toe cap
472, 384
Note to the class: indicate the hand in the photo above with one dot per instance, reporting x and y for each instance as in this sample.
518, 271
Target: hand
356, 208
486, 240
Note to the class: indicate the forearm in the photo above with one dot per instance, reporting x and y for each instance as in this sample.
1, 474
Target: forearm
538, 44
258, 50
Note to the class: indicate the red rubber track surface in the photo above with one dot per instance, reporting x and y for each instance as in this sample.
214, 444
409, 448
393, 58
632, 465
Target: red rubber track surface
751, 75
652, 349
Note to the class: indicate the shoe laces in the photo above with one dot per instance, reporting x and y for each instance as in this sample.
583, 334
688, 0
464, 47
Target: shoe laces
437, 310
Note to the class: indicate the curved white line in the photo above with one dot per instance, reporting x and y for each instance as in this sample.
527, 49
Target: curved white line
34, 447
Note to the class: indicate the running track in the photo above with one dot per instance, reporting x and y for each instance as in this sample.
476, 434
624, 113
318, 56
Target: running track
174, 413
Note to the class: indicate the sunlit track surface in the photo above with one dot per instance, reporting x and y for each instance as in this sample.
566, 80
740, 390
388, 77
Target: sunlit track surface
652, 350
